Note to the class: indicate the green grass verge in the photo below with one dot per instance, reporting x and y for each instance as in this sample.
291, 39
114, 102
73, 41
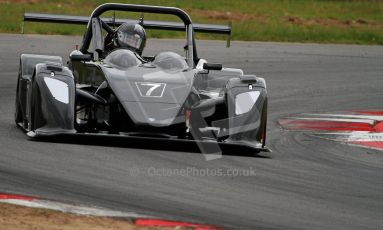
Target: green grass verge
323, 21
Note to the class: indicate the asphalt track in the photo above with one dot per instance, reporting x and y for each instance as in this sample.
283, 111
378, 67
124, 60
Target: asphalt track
306, 183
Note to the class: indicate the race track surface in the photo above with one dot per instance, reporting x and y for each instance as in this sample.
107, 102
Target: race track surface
306, 183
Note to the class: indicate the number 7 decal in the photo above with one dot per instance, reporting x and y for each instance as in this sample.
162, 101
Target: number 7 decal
149, 89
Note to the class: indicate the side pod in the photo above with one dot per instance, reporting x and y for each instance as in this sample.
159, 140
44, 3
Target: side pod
24, 81
52, 109
247, 109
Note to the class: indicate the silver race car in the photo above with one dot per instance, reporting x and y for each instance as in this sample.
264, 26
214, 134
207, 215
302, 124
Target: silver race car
109, 89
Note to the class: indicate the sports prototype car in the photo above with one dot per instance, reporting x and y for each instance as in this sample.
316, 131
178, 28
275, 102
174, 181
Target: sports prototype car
119, 93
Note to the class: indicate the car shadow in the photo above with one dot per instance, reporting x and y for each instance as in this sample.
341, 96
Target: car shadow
152, 144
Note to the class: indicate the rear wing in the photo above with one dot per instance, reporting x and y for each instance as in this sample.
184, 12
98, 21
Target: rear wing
158, 25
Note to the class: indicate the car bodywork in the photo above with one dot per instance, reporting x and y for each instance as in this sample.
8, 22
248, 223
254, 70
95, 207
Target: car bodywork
120, 94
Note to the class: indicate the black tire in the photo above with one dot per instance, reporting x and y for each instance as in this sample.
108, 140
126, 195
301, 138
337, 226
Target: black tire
18, 112
35, 119
264, 116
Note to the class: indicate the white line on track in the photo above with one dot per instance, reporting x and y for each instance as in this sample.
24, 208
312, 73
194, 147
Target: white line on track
69, 208
366, 121
351, 116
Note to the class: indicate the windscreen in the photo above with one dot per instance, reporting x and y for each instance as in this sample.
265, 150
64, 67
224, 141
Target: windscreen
122, 58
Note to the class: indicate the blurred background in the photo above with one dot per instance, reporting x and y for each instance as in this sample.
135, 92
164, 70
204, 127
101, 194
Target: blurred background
319, 21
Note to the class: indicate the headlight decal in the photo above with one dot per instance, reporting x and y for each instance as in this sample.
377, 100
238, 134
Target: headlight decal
58, 89
245, 101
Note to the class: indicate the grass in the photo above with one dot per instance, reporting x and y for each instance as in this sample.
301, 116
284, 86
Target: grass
322, 21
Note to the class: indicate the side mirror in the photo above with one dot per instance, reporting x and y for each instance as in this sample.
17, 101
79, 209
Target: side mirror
54, 66
212, 66
248, 78
80, 57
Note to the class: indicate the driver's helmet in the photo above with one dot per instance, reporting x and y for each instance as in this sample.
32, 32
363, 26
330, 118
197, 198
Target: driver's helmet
131, 36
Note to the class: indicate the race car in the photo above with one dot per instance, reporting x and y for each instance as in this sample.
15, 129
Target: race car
109, 89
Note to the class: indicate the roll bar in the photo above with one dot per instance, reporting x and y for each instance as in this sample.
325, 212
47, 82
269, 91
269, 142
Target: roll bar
140, 8
186, 24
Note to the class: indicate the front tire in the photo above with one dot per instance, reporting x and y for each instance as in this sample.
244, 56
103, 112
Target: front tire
18, 112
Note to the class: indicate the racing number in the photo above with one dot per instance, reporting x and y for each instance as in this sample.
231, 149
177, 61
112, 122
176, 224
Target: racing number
151, 89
